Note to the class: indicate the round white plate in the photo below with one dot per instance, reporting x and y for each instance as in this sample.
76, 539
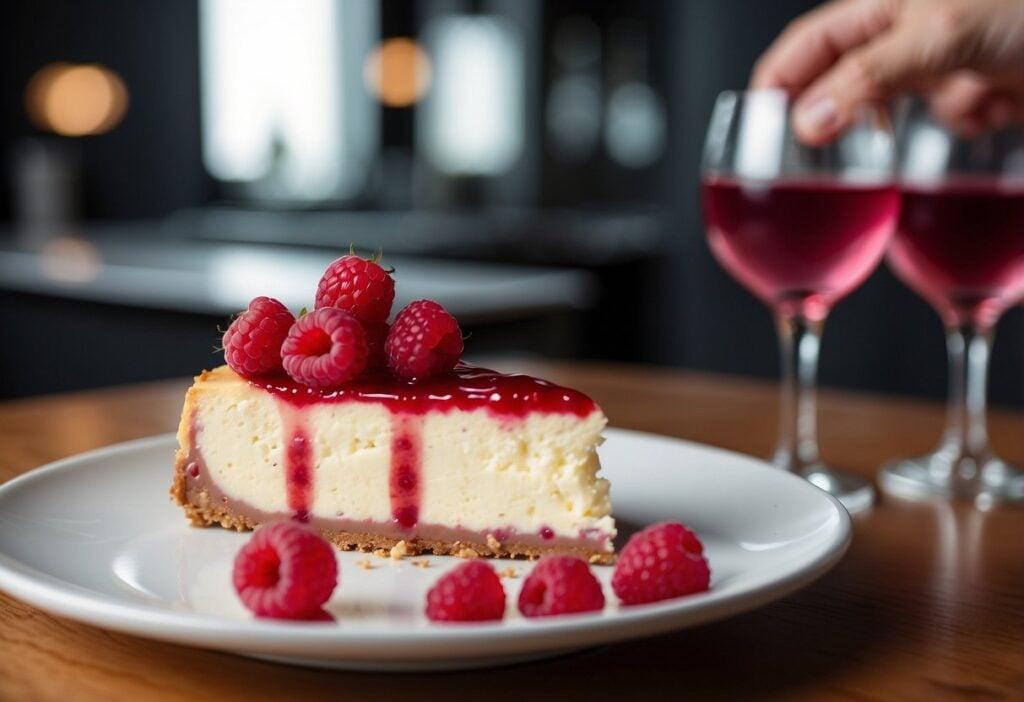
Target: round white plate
95, 538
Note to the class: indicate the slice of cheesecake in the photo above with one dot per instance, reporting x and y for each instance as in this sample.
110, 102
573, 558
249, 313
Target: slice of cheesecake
472, 461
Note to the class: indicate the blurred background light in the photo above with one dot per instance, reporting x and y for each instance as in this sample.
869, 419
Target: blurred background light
240, 275
573, 116
474, 117
635, 125
573, 111
76, 99
70, 259
398, 72
278, 110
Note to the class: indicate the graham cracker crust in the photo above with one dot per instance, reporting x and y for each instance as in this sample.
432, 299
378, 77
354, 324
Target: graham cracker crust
203, 510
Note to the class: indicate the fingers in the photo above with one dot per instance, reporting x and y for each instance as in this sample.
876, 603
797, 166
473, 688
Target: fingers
971, 104
851, 53
890, 63
814, 42
960, 101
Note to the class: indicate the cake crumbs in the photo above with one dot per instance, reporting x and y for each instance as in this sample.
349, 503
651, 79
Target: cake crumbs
382, 553
399, 551
365, 564
493, 543
467, 552
595, 558
422, 563
508, 572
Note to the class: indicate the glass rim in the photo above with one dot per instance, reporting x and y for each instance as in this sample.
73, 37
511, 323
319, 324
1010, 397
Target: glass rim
881, 110
770, 110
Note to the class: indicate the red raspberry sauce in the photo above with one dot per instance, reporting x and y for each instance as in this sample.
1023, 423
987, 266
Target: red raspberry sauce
298, 463
404, 479
465, 388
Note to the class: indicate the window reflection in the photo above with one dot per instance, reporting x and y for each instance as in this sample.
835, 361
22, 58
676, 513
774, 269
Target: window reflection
280, 120
473, 119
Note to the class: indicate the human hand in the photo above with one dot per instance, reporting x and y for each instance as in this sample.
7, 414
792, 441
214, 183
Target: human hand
965, 56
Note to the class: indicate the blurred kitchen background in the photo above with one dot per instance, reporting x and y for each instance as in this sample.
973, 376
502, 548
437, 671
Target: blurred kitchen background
532, 165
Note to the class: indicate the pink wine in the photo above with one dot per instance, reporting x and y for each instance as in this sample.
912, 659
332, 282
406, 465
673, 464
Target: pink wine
802, 244
960, 245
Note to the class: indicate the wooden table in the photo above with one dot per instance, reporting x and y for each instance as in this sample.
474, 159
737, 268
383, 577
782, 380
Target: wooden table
927, 605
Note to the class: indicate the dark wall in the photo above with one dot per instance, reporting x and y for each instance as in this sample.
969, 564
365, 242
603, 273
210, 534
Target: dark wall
882, 337
151, 164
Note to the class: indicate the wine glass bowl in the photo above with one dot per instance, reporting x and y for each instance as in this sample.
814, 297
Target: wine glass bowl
960, 246
800, 227
800, 244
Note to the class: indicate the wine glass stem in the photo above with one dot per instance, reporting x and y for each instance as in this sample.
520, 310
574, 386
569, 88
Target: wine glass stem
966, 432
799, 342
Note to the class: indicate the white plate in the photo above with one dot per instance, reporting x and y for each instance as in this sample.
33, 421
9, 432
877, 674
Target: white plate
95, 538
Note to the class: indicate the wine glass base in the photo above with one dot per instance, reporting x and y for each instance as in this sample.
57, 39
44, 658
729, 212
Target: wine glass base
855, 493
937, 475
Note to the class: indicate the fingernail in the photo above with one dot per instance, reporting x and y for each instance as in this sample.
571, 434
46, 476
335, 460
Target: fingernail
817, 116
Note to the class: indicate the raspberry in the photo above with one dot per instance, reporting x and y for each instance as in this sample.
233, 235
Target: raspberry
325, 349
252, 344
286, 572
661, 562
470, 592
360, 287
560, 585
424, 340
376, 335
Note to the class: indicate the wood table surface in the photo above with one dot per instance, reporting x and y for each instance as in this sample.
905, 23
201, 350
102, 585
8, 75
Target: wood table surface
927, 605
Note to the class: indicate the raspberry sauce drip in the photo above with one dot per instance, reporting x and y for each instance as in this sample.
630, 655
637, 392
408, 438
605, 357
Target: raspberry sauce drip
298, 464
465, 388
404, 479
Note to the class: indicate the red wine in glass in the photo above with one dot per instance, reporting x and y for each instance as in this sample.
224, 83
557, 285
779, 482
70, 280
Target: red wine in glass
804, 243
960, 245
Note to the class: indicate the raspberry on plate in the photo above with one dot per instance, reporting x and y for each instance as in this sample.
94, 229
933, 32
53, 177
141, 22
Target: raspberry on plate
286, 571
252, 344
560, 585
359, 286
661, 562
424, 340
470, 592
325, 349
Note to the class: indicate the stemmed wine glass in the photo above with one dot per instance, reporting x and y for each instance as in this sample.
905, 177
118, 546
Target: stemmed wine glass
800, 227
960, 245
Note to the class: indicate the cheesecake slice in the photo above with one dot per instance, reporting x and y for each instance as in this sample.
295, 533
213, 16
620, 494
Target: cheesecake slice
472, 461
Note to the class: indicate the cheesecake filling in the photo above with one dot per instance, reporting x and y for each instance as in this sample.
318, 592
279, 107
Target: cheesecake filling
406, 465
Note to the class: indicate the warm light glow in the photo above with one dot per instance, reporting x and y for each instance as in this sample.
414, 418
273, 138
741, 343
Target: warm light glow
76, 100
398, 72
70, 259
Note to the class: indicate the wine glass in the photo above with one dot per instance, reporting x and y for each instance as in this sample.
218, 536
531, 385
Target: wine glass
800, 227
960, 245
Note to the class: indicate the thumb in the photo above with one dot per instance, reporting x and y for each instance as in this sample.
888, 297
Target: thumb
869, 74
